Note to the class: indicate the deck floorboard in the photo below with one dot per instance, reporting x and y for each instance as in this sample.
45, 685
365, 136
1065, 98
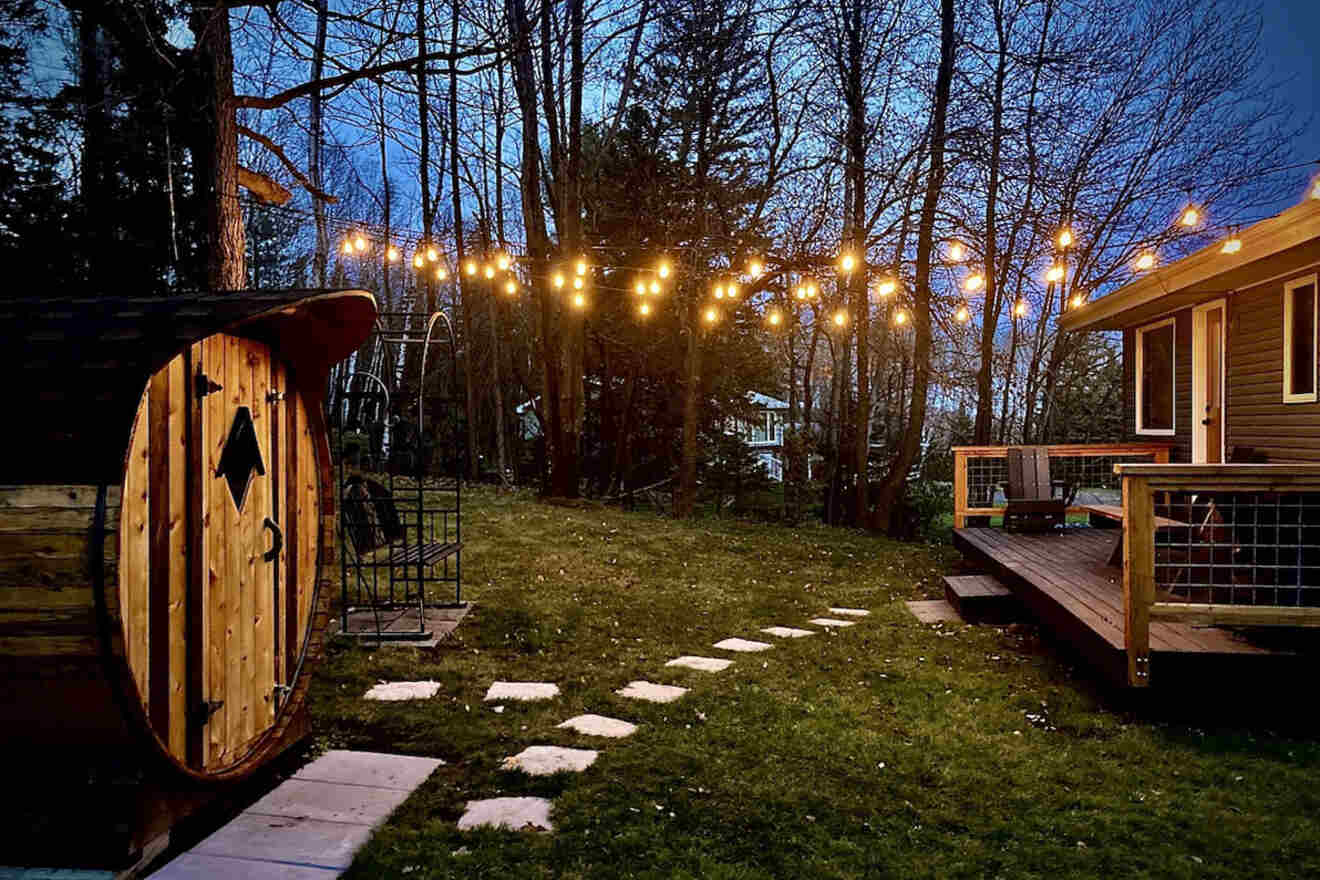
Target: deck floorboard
1064, 577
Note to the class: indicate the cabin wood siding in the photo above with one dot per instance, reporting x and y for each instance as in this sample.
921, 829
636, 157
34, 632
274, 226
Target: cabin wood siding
1182, 388
1257, 417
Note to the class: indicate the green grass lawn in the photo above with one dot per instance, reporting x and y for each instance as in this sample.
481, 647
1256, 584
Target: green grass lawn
888, 749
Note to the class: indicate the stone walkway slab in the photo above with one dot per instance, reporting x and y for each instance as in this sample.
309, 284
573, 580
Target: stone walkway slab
933, 611
310, 825
742, 645
521, 690
788, 632
599, 725
651, 692
392, 691
830, 622
510, 813
546, 760
705, 664
851, 612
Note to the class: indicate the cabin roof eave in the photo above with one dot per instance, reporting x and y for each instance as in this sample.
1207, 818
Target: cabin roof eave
1287, 241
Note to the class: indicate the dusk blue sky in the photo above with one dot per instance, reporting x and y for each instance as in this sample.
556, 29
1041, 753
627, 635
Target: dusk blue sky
1288, 42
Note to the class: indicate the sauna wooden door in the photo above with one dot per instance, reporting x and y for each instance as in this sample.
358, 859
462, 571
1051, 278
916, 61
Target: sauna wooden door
240, 496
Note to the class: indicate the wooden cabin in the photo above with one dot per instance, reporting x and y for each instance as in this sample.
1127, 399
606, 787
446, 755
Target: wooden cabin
1220, 348
1206, 519
166, 513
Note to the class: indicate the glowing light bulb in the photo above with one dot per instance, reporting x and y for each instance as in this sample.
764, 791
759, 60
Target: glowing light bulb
432, 255
800, 293
962, 315
1076, 301
644, 308
348, 246
581, 267
1020, 308
812, 290
900, 317
360, 244
418, 262
640, 287
1065, 238
503, 262
1315, 188
441, 274
846, 263
1054, 274
663, 269
1190, 217
1145, 261
957, 252
655, 287
733, 291
974, 282
1232, 245
579, 300
754, 268
470, 267
886, 288
719, 291
511, 286
840, 318
711, 315
392, 254
489, 272
577, 283
775, 318
558, 280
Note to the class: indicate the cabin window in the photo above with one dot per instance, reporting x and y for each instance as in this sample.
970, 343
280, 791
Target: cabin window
1299, 340
1155, 394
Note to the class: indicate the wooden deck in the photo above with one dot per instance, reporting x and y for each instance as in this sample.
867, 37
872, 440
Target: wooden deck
1064, 579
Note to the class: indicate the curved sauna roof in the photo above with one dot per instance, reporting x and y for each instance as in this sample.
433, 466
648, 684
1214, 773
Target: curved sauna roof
72, 370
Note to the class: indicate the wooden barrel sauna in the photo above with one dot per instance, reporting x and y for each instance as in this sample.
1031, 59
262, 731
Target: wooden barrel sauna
166, 516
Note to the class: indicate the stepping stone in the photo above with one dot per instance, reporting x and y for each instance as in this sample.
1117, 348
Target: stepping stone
599, 725
933, 611
400, 772
788, 632
705, 664
851, 612
521, 690
829, 622
392, 691
652, 693
545, 760
742, 645
509, 813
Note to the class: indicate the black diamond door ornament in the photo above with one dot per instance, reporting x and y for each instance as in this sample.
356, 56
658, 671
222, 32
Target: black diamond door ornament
241, 457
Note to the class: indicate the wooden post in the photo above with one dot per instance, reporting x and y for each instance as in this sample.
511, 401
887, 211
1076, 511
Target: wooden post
959, 488
1138, 576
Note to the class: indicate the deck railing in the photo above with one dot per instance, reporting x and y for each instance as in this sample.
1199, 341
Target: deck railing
1234, 545
979, 472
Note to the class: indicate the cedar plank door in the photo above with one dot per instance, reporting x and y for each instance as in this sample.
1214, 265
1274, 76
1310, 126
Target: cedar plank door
210, 622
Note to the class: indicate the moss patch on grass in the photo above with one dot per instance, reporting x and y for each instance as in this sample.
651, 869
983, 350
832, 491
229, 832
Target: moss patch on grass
887, 749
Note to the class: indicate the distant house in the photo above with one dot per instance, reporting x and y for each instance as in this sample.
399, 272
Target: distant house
764, 431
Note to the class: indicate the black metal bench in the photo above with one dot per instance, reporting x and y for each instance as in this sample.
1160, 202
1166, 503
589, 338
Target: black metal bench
377, 534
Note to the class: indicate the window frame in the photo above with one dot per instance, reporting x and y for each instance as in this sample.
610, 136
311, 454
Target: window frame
1173, 379
1288, 288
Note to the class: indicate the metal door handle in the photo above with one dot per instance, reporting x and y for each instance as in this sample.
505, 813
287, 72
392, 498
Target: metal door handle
277, 540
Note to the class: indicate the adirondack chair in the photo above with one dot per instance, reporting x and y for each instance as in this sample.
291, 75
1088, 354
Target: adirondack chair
1034, 501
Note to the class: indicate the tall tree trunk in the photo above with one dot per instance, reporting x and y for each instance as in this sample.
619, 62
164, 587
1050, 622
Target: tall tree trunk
315, 139
990, 314
857, 281
93, 74
496, 385
216, 155
686, 494
893, 486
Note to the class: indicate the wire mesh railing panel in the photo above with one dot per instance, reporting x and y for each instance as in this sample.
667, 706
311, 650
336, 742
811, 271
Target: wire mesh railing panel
1238, 547
1090, 478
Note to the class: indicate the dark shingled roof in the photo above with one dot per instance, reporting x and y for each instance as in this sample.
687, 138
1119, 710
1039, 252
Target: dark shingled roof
75, 368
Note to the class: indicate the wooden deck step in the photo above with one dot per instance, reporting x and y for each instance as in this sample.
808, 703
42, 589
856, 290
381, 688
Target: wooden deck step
980, 598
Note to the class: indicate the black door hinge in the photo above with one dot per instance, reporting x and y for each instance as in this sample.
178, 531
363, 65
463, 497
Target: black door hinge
202, 385
206, 709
